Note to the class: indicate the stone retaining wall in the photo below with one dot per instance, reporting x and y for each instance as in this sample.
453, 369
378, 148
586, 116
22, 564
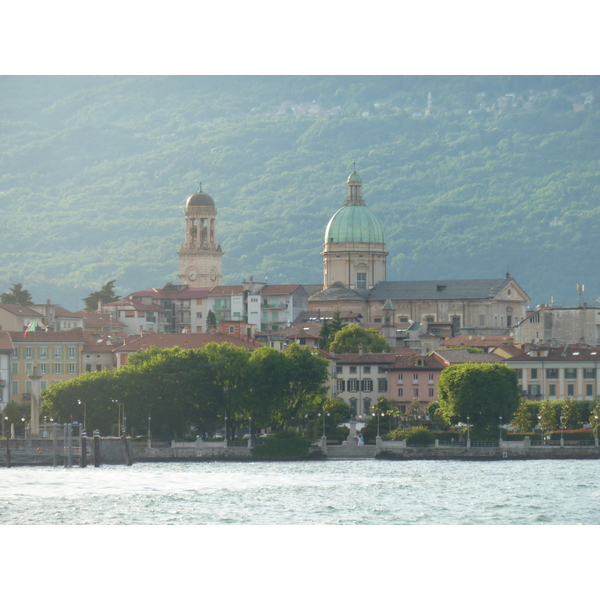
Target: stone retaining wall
463, 453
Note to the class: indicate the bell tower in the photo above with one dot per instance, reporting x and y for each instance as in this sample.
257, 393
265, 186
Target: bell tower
200, 257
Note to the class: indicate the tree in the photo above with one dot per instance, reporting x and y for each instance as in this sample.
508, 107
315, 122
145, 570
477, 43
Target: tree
595, 419
211, 320
436, 416
483, 392
16, 295
330, 328
351, 336
570, 417
522, 420
547, 417
105, 295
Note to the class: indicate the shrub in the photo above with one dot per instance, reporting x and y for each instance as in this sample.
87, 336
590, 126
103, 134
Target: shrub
419, 436
286, 444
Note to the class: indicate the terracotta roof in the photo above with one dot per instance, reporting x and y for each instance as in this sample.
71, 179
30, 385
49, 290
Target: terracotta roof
99, 320
39, 337
410, 362
6, 341
512, 349
478, 341
182, 340
227, 290
280, 289
161, 294
21, 311
137, 305
564, 353
457, 357
303, 335
383, 358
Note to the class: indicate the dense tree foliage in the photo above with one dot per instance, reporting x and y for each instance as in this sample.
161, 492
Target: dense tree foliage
353, 337
218, 386
500, 169
482, 392
16, 295
105, 296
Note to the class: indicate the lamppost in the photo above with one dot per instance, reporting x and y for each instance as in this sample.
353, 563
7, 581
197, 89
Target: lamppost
7, 442
596, 429
541, 430
119, 404
149, 432
468, 431
500, 428
24, 428
382, 414
84, 414
249, 430
324, 413
225, 432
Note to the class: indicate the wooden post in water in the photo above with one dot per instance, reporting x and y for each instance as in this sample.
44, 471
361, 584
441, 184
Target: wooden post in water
83, 457
96, 447
54, 444
8, 449
69, 428
125, 450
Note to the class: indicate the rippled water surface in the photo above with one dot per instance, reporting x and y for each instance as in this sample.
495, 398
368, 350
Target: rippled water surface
308, 493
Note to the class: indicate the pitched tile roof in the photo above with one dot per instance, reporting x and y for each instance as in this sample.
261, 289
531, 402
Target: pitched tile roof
21, 311
47, 337
564, 353
137, 305
99, 320
6, 341
457, 357
280, 289
339, 291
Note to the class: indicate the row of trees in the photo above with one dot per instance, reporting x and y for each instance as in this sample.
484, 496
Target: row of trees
219, 386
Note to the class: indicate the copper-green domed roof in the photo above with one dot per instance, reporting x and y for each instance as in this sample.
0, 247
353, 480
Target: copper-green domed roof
357, 224
354, 177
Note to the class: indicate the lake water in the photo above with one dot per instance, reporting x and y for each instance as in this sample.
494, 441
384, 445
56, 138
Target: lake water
550, 492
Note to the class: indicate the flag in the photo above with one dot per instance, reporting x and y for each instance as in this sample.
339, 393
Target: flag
30, 327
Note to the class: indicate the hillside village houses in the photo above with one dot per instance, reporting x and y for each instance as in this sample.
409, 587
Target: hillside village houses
417, 318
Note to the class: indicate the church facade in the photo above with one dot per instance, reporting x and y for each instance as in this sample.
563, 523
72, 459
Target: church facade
354, 256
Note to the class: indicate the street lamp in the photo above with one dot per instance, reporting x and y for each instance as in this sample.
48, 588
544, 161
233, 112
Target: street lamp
541, 430
84, 414
500, 427
119, 405
468, 430
382, 414
596, 429
24, 428
324, 413
149, 432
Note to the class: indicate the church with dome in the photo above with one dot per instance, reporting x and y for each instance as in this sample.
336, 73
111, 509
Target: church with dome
355, 282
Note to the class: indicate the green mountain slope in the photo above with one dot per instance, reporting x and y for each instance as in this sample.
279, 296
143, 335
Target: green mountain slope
503, 173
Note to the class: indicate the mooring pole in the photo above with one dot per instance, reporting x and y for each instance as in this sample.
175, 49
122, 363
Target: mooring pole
8, 449
96, 447
69, 444
54, 444
83, 457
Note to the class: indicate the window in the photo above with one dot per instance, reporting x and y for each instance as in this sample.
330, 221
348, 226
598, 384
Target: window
72, 368
72, 352
339, 370
57, 368
14, 387
353, 385
430, 378
415, 378
231, 329
429, 319
534, 373
130, 313
533, 389
415, 393
98, 367
58, 353
28, 368
403, 319
589, 389
377, 319
570, 373
352, 370
366, 404
43, 368
481, 320
367, 370
88, 368
400, 392
341, 385
367, 385
28, 386
28, 352
361, 281
431, 392
570, 389
589, 373
380, 370
43, 352
14, 368
15, 353
399, 377
382, 385
198, 315
552, 373
509, 320
43, 385
552, 389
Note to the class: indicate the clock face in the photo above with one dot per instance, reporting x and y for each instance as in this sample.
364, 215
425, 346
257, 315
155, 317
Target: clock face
192, 273
213, 274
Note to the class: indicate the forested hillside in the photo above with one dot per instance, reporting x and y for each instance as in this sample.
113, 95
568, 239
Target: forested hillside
488, 174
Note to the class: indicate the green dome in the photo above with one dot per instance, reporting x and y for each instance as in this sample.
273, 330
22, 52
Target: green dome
354, 224
354, 177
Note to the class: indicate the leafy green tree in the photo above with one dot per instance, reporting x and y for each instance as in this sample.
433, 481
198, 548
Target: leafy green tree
570, 418
17, 414
336, 411
415, 415
352, 336
330, 328
211, 320
547, 418
436, 416
16, 295
105, 295
481, 391
595, 419
522, 419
